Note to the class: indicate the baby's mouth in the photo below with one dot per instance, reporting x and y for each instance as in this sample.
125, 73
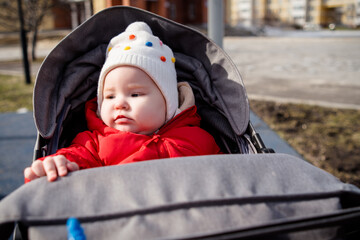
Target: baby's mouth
121, 119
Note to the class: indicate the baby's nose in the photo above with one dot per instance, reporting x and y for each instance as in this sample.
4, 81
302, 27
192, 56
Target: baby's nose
121, 104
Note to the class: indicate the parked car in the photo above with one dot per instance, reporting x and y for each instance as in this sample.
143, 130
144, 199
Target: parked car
311, 27
332, 26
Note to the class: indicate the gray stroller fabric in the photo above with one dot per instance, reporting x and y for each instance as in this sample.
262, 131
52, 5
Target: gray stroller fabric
68, 77
274, 196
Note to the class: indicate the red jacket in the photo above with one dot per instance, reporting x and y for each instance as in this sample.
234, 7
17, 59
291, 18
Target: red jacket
103, 146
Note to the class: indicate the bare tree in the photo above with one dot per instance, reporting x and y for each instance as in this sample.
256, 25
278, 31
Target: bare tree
34, 13
9, 15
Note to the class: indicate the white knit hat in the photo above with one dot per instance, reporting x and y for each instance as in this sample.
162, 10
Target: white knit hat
138, 47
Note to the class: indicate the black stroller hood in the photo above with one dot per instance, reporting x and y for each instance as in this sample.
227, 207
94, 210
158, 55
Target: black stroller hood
69, 74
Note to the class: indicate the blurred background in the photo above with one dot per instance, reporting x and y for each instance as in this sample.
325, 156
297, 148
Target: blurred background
248, 14
299, 60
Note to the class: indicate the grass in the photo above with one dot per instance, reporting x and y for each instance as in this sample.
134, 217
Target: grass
329, 138
15, 94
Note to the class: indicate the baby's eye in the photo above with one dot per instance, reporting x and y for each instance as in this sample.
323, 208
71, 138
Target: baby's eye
136, 94
109, 97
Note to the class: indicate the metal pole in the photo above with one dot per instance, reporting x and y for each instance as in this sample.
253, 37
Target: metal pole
24, 44
216, 21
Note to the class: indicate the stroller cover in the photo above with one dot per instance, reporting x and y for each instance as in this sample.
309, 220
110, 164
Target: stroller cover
229, 196
234, 196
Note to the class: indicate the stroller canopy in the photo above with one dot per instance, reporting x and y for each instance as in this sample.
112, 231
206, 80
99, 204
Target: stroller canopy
69, 75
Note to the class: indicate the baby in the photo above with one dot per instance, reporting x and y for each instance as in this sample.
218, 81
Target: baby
140, 113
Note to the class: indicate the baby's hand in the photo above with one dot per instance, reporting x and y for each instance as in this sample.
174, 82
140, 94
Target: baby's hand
52, 167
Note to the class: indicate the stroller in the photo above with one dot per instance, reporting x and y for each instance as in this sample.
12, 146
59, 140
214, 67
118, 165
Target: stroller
248, 192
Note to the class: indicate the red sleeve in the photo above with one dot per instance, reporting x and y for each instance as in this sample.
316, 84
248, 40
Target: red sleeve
83, 151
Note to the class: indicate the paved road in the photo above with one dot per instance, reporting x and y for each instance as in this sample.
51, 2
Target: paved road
323, 71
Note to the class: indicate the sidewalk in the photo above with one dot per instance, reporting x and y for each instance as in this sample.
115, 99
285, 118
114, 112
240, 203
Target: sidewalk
17, 141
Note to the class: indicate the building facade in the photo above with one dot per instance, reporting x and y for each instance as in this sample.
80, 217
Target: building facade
182, 11
295, 12
68, 14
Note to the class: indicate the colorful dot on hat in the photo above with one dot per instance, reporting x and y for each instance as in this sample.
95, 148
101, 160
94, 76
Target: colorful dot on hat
109, 49
162, 58
127, 48
161, 43
173, 60
149, 44
132, 36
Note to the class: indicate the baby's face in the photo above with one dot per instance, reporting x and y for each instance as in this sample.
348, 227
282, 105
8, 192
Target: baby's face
132, 102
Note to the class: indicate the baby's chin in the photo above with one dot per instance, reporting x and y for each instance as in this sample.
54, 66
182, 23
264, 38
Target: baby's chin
135, 130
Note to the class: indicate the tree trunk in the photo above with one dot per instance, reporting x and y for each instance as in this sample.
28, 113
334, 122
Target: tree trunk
33, 44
